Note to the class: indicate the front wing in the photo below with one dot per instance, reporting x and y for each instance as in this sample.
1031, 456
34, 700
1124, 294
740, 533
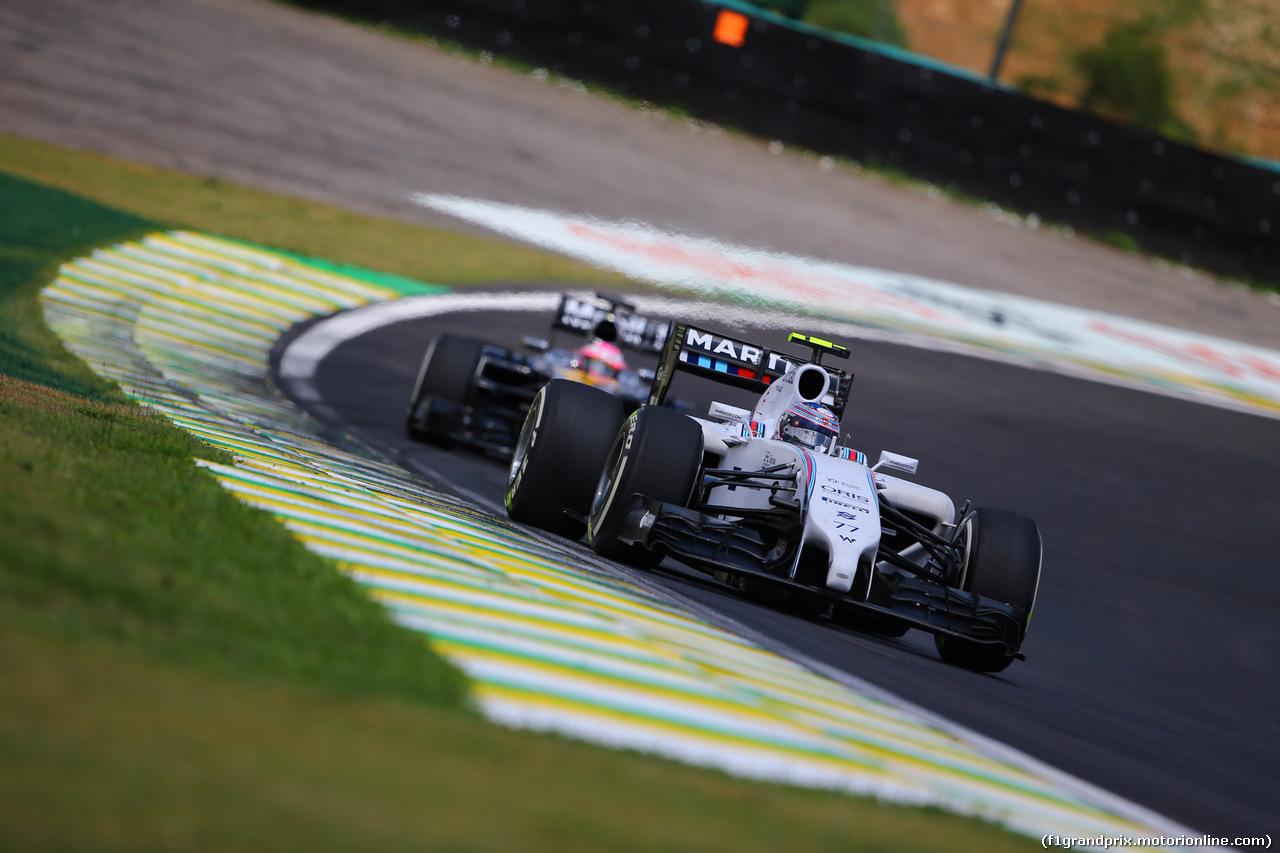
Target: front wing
736, 555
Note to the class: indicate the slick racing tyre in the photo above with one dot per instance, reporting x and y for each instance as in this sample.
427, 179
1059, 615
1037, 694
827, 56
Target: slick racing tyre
658, 454
448, 372
559, 455
1002, 562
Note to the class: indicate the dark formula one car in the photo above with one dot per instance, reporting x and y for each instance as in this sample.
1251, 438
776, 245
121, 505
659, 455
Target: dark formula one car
477, 394
768, 503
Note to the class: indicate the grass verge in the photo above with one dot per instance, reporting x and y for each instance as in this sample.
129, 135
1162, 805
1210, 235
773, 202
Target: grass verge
181, 674
308, 228
107, 529
102, 752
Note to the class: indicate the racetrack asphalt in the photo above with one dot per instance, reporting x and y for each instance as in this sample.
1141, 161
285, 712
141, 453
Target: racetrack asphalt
1152, 650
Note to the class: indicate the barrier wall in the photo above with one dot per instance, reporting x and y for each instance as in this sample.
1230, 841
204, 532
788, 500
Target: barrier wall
845, 96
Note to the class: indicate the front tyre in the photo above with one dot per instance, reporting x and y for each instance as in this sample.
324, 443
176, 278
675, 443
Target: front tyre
558, 458
1002, 561
658, 454
448, 372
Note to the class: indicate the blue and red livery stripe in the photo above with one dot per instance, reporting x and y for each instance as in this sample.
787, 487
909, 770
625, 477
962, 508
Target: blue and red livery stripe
708, 363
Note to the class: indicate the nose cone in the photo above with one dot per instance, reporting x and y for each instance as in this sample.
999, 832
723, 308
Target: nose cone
844, 515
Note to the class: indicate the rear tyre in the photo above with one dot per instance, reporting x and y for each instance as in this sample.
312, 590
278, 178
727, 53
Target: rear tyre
559, 455
1002, 561
657, 453
448, 372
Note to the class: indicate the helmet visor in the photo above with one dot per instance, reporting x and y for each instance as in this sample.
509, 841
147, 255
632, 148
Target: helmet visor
809, 433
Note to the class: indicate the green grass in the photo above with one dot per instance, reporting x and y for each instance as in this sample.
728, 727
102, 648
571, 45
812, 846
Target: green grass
179, 673
38, 227
102, 752
432, 255
1122, 241
108, 530
871, 19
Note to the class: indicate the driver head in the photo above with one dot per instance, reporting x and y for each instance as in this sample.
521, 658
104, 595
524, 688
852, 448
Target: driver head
809, 425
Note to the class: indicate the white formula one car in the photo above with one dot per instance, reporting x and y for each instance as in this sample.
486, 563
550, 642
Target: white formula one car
768, 503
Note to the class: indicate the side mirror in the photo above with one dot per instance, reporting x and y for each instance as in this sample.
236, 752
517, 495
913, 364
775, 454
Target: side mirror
730, 414
536, 344
896, 462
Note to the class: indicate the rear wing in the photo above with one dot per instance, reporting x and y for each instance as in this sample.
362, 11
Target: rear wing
733, 362
634, 331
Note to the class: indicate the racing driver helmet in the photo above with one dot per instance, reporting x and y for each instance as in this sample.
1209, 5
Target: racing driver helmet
809, 425
601, 359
